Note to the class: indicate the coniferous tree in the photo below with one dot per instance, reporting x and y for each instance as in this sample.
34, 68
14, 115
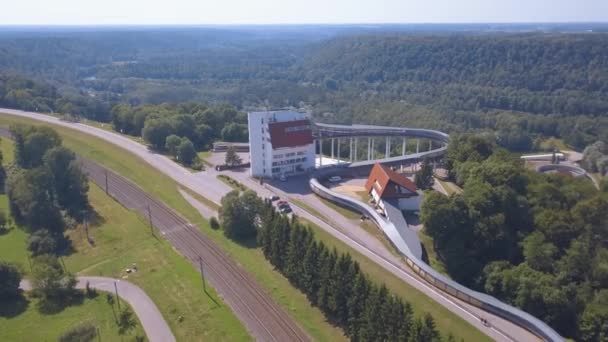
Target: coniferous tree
310, 274
356, 306
325, 275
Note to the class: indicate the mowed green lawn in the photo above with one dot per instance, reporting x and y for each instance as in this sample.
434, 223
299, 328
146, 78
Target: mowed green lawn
31, 325
164, 188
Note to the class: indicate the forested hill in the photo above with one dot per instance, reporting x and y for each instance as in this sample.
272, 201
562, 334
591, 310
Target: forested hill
523, 87
537, 73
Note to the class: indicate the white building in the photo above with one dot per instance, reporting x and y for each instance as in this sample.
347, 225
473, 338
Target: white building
280, 143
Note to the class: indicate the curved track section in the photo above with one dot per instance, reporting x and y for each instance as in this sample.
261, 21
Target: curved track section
478, 299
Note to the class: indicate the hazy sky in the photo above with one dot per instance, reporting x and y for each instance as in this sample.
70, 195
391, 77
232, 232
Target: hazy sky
91, 12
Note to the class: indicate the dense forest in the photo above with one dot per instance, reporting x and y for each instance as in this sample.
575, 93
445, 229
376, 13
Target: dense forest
536, 241
521, 86
332, 281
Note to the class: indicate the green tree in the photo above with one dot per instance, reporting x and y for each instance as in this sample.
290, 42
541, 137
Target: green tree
238, 214
594, 321
186, 152
538, 252
49, 280
31, 143
156, 131
172, 143
424, 177
232, 158
70, 184
10, 277
42, 242
126, 321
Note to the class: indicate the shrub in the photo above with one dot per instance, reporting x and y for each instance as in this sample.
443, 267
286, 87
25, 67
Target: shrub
82, 333
214, 223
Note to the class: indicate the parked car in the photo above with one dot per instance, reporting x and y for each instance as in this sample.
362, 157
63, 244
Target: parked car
273, 198
335, 179
285, 209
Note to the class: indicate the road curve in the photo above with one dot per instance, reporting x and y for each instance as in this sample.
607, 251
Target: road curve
155, 326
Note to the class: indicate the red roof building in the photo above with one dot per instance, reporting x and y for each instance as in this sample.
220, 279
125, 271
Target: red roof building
290, 133
385, 183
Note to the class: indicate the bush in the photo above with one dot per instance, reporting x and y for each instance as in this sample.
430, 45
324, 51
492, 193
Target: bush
214, 223
10, 277
42, 242
82, 333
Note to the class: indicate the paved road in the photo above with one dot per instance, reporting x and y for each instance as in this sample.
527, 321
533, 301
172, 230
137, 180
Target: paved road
154, 324
206, 184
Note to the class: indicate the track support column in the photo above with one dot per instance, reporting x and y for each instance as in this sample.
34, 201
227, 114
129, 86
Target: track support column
320, 152
369, 148
403, 146
332, 148
387, 152
430, 145
355, 155
417, 145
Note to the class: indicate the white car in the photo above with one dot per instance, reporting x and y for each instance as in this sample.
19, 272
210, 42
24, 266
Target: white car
335, 179
282, 178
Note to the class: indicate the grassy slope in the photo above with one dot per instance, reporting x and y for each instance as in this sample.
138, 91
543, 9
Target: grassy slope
122, 238
446, 321
164, 188
31, 325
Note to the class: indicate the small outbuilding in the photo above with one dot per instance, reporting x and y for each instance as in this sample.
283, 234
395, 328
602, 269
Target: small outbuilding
386, 184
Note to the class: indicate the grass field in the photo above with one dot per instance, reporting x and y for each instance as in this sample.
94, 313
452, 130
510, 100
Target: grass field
164, 188
31, 325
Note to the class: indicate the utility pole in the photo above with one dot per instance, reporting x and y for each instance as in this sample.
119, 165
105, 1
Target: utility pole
106, 174
117, 297
200, 263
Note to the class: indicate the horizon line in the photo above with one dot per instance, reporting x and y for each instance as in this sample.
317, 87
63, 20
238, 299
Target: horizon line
303, 24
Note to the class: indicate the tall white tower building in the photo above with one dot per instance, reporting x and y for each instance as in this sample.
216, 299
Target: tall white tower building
280, 143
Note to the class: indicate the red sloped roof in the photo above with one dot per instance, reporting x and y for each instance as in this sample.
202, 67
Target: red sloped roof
290, 133
387, 179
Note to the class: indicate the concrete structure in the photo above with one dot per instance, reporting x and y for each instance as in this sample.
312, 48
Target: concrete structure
384, 184
280, 143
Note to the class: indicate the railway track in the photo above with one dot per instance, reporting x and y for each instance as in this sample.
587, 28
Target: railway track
251, 304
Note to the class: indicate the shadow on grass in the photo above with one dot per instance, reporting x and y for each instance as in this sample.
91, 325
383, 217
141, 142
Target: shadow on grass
95, 220
51, 306
13, 307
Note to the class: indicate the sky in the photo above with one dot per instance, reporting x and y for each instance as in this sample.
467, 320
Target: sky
201, 12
